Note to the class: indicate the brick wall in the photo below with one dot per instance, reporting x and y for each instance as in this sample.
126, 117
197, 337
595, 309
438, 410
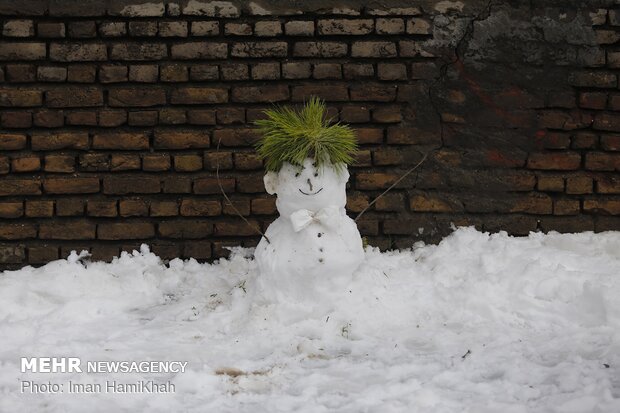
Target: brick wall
110, 112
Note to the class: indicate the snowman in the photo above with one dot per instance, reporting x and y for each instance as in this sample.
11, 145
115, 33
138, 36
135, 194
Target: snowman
312, 249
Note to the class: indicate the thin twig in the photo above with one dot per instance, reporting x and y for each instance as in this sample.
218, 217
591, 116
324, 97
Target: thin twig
393, 185
217, 175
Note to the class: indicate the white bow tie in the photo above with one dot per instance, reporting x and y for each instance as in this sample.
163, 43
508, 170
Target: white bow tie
328, 217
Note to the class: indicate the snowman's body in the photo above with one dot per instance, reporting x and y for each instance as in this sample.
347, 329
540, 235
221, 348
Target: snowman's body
313, 247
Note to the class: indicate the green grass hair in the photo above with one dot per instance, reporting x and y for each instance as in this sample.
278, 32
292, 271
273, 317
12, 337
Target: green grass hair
292, 136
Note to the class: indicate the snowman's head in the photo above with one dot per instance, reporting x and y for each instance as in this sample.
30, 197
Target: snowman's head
307, 186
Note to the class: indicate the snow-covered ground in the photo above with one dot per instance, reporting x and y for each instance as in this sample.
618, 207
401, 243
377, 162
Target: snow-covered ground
479, 323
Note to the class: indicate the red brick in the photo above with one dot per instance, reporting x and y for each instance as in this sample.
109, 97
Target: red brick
355, 114
534, 204
579, 185
20, 73
12, 141
330, 93
387, 114
392, 71
373, 49
377, 180
110, 118
164, 208
177, 185
369, 135
602, 206
138, 51
12, 51
81, 74
11, 209
20, 97
174, 73
181, 140
345, 26
69, 207
205, 28
434, 203
201, 116
199, 50
237, 228
133, 208
198, 96
608, 185
248, 161
211, 185
601, 161
593, 100
74, 97
390, 202
156, 162
411, 136
376, 92
390, 26
187, 163
67, 230
584, 140
121, 185
320, 49
74, 185
251, 184
199, 250
275, 93
12, 254
39, 209
235, 71
16, 119
122, 231
554, 160
608, 122
42, 254
121, 141
185, 229
78, 52
17, 231
26, 164
566, 207
593, 79
263, 206
236, 137
59, 163
143, 118
259, 49
610, 142
94, 162
49, 118
88, 118
196, 208
62, 140
356, 202
124, 162
143, 28
136, 97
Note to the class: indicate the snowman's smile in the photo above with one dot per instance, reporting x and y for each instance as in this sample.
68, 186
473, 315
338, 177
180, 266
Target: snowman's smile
310, 193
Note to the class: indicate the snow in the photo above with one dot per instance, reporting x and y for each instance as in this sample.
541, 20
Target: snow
312, 249
478, 323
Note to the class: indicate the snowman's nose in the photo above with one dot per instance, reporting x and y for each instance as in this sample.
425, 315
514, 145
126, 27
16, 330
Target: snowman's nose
310, 184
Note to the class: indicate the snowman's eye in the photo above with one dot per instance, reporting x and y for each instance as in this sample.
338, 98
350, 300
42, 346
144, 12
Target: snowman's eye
297, 174
316, 174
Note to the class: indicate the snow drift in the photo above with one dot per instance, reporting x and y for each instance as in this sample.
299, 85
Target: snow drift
478, 323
